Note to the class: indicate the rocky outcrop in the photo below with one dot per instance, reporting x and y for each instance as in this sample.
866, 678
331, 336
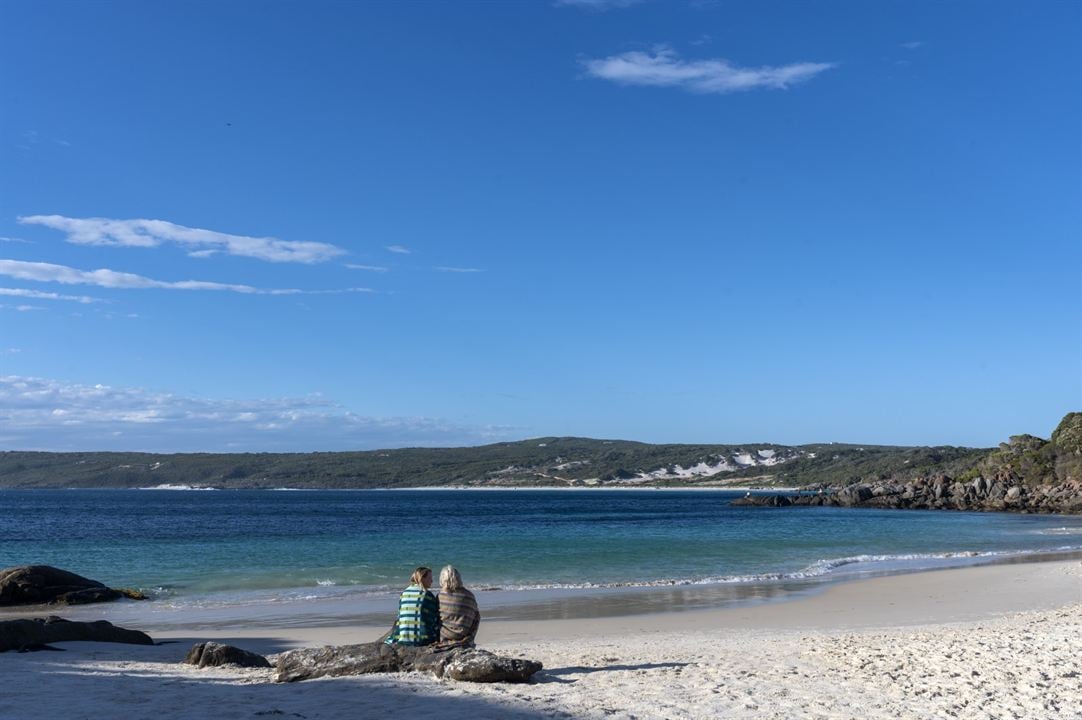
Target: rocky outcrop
1025, 474
37, 632
212, 654
940, 493
465, 664
42, 584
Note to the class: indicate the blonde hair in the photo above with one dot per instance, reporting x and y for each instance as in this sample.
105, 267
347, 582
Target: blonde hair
419, 575
450, 580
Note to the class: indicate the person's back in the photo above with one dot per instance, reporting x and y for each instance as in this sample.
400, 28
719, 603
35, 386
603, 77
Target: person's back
418, 612
459, 615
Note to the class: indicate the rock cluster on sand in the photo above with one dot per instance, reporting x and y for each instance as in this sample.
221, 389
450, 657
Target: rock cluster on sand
465, 664
212, 654
940, 493
36, 632
41, 584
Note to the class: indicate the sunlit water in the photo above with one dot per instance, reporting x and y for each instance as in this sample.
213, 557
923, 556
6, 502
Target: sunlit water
228, 554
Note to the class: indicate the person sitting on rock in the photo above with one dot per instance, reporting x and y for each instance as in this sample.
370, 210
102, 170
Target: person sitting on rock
459, 616
418, 612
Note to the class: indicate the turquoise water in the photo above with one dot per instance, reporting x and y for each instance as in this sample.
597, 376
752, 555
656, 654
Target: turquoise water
189, 546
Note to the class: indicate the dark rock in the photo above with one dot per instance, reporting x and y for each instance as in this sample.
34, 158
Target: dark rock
20, 634
37, 584
467, 664
939, 493
212, 654
87, 596
854, 495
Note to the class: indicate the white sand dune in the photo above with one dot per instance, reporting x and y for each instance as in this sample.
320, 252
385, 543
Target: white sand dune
987, 642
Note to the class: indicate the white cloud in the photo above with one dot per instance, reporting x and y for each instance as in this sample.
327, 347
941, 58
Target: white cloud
14, 240
48, 272
152, 233
37, 413
913, 44
21, 308
39, 295
399, 249
600, 5
340, 291
664, 68
370, 268
444, 268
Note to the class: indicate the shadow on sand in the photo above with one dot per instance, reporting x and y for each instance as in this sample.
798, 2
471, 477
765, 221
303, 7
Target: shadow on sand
114, 680
556, 675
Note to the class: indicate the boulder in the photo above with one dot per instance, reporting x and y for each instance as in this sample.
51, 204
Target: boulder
466, 664
475, 665
38, 584
32, 633
854, 495
212, 654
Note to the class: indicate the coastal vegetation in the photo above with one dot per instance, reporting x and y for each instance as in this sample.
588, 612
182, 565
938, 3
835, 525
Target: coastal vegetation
560, 462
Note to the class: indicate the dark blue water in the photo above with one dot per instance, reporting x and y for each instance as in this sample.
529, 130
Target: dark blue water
188, 544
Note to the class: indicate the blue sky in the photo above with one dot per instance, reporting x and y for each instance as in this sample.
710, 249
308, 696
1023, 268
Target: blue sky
327, 226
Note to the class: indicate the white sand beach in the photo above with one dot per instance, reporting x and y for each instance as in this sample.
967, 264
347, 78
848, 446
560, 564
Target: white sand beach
1002, 641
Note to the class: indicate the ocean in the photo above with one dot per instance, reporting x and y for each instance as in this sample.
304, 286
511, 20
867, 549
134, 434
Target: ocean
323, 557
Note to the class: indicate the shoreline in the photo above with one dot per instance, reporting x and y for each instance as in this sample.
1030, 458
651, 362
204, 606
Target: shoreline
977, 643
886, 601
345, 606
941, 596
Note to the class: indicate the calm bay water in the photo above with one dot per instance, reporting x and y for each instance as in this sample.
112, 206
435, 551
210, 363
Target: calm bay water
188, 546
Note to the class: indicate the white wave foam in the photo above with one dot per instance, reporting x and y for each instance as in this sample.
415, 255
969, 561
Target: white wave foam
817, 569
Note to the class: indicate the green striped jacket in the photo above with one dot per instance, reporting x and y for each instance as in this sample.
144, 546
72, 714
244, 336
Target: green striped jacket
418, 618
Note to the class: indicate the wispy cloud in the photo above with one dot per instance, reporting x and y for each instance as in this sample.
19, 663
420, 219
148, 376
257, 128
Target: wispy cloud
664, 68
199, 242
370, 268
46, 414
21, 308
48, 272
597, 5
444, 268
14, 240
400, 249
40, 295
913, 44
31, 138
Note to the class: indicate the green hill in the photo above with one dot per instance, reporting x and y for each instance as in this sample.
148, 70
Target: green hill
555, 461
